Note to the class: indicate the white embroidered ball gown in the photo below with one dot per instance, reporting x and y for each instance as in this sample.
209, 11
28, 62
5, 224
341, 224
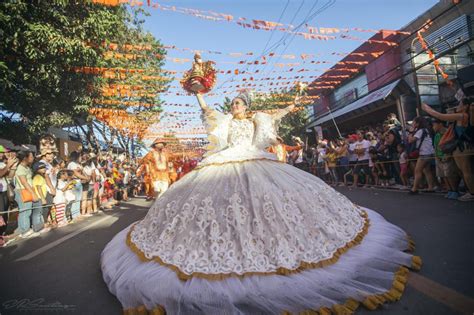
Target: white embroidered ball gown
246, 234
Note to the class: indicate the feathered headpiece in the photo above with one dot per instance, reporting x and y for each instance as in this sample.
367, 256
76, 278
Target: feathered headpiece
246, 97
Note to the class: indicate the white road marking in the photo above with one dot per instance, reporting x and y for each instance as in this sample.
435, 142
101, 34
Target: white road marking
63, 239
442, 294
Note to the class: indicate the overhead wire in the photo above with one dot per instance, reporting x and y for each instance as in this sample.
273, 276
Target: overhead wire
278, 22
274, 46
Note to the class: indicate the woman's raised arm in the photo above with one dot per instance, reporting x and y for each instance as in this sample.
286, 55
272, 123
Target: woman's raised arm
202, 102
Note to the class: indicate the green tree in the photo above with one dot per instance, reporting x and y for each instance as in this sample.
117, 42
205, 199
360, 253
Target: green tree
148, 57
43, 40
40, 42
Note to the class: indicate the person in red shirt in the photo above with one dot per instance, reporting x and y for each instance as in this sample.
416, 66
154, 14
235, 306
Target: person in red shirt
187, 167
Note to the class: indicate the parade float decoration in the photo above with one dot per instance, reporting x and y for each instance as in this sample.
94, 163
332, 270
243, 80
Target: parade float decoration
201, 78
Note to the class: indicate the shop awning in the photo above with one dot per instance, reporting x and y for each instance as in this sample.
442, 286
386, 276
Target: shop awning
380, 94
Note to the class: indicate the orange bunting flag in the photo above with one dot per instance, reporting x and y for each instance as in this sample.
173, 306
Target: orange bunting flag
430, 53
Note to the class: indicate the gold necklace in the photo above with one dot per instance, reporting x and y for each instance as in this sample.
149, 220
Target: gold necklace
239, 116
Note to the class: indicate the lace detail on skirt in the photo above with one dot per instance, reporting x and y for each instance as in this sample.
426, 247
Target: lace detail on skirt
231, 219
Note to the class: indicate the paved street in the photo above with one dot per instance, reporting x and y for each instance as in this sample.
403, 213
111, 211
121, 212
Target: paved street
62, 266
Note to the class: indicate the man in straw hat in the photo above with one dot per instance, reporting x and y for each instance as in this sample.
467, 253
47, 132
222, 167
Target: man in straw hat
297, 155
155, 170
281, 149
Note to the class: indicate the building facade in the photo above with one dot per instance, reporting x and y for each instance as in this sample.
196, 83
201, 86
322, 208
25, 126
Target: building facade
393, 73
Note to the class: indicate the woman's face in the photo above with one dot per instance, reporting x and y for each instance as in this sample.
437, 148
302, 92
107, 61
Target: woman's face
238, 106
30, 158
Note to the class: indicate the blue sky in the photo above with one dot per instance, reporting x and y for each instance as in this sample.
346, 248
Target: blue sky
185, 31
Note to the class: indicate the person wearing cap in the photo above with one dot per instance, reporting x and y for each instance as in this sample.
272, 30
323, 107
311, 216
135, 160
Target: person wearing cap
41, 208
6, 164
281, 149
464, 154
446, 168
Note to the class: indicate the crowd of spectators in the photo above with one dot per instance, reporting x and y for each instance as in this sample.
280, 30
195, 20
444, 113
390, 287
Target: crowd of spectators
415, 158
433, 153
40, 192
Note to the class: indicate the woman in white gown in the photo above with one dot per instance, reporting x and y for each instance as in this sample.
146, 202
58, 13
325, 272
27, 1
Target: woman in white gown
246, 234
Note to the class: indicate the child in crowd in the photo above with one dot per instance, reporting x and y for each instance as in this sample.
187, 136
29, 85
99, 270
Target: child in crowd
403, 160
40, 213
331, 161
380, 167
60, 198
109, 189
69, 196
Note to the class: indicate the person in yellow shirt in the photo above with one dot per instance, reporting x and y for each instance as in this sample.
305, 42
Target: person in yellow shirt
331, 161
40, 214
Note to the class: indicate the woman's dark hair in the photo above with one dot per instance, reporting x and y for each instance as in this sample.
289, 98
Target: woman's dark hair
89, 162
401, 145
57, 161
21, 155
423, 123
61, 172
73, 156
